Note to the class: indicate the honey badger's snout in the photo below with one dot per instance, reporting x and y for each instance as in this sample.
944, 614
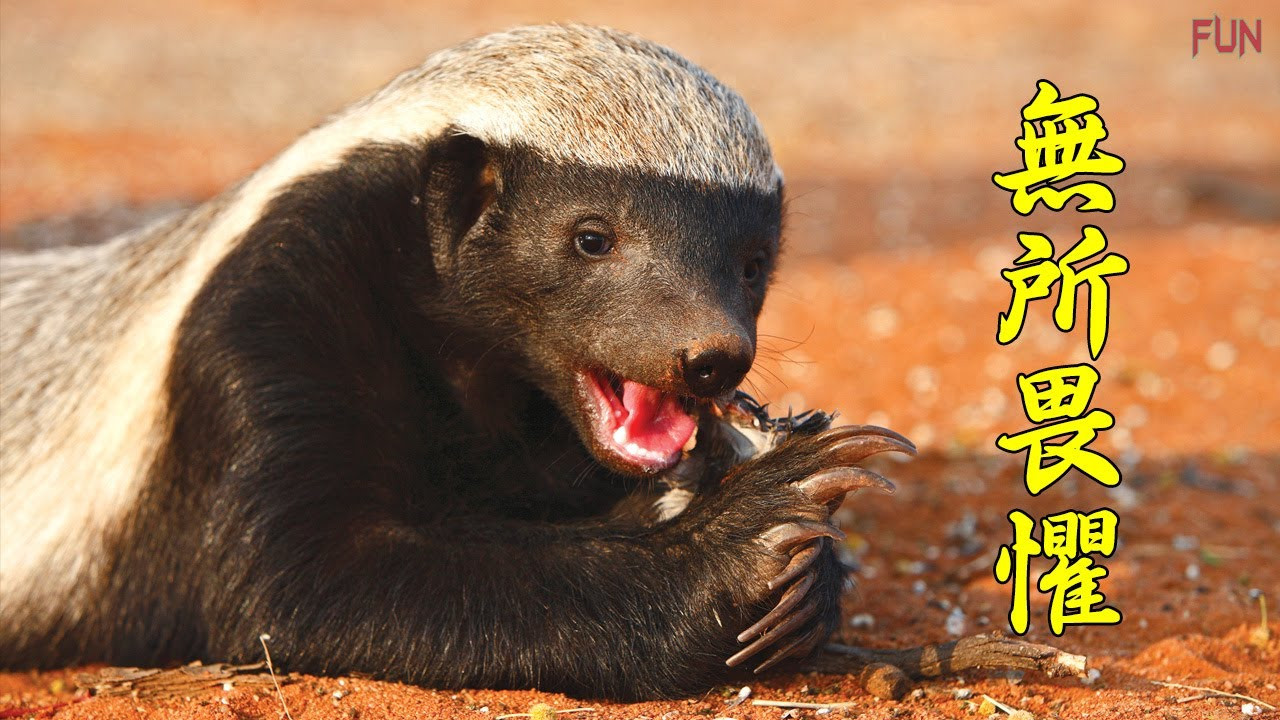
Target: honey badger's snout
715, 364
638, 414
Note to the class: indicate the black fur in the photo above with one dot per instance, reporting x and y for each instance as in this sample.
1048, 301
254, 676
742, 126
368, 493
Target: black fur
372, 453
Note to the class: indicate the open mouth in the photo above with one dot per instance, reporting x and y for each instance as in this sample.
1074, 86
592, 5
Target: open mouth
642, 426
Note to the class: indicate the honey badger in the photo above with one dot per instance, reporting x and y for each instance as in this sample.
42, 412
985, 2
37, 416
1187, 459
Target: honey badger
423, 397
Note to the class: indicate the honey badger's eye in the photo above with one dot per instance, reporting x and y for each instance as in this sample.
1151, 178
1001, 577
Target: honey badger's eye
751, 271
593, 244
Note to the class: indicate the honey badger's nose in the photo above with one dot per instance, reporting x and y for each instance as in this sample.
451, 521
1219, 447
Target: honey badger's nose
716, 364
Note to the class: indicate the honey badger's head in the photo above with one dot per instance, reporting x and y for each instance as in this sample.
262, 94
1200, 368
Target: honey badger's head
611, 227
626, 297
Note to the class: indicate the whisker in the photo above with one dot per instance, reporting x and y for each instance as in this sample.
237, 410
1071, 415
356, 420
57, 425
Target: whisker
785, 290
796, 343
781, 357
581, 471
772, 375
466, 391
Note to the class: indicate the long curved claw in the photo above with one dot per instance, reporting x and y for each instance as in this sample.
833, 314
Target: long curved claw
799, 562
789, 600
856, 449
785, 629
802, 645
788, 535
849, 431
835, 482
780, 631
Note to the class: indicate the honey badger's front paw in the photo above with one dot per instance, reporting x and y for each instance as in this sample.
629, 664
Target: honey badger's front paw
821, 469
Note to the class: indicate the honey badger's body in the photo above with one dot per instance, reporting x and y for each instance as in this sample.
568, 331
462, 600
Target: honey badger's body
383, 400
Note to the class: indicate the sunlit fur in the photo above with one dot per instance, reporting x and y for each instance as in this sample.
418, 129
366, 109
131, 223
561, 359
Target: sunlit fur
120, 516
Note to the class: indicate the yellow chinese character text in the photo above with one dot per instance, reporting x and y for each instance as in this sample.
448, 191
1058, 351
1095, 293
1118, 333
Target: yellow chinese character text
1061, 393
1014, 562
1057, 392
1064, 145
1068, 538
1035, 272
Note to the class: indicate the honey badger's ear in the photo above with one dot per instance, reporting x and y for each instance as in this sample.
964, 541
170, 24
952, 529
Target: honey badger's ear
461, 182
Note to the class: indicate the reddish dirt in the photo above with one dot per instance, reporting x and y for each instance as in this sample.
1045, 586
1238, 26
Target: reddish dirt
888, 121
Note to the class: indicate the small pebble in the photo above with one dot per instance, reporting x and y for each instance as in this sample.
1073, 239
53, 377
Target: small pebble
1251, 709
962, 693
1091, 676
1220, 356
884, 681
1183, 286
338, 694
964, 528
738, 699
922, 380
862, 620
911, 567
1125, 497
955, 623
1192, 572
881, 321
1164, 344
1269, 333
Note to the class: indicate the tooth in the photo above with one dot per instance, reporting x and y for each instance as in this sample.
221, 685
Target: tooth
620, 435
692, 442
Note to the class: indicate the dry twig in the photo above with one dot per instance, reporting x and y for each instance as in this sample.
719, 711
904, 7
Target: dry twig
172, 683
263, 638
802, 705
543, 711
885, 673
1210, 691
987, 651
1261, 635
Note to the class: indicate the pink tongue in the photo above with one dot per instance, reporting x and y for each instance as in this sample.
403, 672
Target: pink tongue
655, 421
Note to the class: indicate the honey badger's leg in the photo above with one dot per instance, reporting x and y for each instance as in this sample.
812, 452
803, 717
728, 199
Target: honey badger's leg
742, 430
809, 573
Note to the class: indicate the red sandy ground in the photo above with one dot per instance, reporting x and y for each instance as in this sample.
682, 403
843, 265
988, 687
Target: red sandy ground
888, 121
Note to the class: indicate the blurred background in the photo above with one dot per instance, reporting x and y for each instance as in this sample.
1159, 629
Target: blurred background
888, 120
